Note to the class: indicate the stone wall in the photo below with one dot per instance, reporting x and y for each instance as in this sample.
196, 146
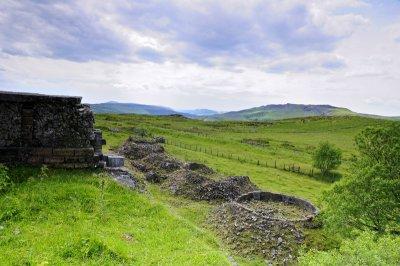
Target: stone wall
269, 196
44, 129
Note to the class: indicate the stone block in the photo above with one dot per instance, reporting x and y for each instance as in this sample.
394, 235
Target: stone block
67, 165
44, 152
35, 160
64, 152
84, 152
82, 165
53, 160
115, 161
9, 151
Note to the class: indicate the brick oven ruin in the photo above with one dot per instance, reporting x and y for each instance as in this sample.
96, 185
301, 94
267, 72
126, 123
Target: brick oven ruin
40, 129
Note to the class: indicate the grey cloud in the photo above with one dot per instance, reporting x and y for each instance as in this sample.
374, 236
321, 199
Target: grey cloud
205, 33
57, 30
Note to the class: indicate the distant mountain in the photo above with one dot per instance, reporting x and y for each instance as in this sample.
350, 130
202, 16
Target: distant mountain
282, 111
113, 107
200, 112
262, 113
131, 108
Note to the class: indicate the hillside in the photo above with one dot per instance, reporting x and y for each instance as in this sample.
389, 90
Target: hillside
287, 142
130, 108
283, 111
200, 112
77, 217
262, 113
80, 217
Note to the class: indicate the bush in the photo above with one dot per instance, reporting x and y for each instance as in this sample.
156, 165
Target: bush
369, 199
5, 180
327, 157
364, 250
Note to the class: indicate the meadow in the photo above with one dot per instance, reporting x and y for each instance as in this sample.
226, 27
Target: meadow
264, 151
81, 217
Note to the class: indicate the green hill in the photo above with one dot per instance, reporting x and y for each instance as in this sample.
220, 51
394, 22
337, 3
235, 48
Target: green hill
283, 111
130, 108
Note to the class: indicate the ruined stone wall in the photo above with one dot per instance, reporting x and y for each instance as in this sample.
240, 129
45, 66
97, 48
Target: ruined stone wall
44, 129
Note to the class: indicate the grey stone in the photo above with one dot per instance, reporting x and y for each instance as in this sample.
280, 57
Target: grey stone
43, 126
115, 161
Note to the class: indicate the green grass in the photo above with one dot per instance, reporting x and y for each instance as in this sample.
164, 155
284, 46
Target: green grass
67, 218
289, 142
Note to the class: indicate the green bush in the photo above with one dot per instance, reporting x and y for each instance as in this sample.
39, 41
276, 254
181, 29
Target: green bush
327, 157
369, 199
364, 250
5, 180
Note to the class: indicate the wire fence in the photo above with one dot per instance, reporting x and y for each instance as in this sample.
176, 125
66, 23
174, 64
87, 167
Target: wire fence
276, 164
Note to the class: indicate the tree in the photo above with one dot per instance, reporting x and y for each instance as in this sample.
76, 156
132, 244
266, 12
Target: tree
327, 157
369, 198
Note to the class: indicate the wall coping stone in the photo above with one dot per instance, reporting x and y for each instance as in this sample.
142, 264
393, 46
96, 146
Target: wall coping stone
24, 97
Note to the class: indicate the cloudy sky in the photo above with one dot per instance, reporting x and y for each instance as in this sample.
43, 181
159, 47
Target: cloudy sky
224, 55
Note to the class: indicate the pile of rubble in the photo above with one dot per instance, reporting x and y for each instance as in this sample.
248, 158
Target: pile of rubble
248, 234
250, 221
188, 179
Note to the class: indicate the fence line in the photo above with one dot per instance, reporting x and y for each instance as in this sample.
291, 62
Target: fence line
262, 163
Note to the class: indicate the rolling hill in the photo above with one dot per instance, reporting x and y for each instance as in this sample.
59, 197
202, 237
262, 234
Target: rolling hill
283, 111
200, 112
262, 113
131, 108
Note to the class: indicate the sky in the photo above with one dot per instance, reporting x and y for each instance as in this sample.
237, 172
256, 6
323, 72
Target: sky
221, 54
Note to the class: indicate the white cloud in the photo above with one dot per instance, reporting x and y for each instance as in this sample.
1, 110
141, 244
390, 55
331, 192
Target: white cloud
188, 54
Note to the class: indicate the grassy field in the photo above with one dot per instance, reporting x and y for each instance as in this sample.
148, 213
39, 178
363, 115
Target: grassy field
83, 218
77, 217
249, 148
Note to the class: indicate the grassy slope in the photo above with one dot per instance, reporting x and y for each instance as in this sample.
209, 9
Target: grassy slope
63, 219
129, 108
285, 111
290, 142
67, 219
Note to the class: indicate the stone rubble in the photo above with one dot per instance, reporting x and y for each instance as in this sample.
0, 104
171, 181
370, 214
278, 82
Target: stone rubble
267, 230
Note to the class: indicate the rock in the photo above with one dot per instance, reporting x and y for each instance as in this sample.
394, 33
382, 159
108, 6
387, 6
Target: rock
169, 166
154, 177
198, 167
159, 139
115, 161
128, 237
123, 176
274, 240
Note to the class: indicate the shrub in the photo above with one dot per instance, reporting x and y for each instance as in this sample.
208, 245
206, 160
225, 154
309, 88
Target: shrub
369, 199
327, 157
5, 180
364, 250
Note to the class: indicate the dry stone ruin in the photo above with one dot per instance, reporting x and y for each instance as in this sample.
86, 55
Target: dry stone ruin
40, 129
